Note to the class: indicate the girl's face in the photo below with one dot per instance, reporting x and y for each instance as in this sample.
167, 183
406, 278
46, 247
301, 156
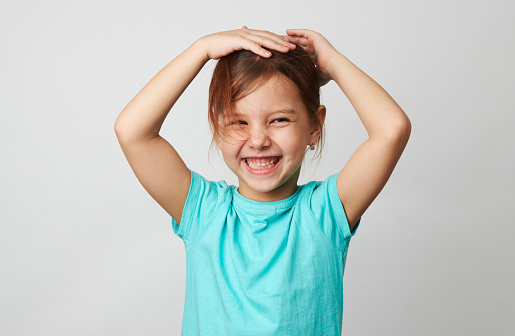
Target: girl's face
266, 143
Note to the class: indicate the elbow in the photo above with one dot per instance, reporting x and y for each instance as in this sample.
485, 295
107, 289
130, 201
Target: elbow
128, 134
118, 129
118, 124
403, 130
121, 131
400, 131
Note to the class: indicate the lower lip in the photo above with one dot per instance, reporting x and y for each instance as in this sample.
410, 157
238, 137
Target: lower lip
261, 171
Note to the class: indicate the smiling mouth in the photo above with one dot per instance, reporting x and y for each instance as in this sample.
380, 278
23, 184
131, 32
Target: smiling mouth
262, 163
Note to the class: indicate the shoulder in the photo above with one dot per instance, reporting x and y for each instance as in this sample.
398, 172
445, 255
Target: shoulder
200, 186
319, 190
319, 197
206, 201
206, 196
322, 201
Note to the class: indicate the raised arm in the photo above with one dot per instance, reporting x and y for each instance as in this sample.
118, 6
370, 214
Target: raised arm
155, 162
388, 127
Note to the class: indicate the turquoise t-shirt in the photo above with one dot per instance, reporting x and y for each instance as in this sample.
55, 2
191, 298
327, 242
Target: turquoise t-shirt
263, 268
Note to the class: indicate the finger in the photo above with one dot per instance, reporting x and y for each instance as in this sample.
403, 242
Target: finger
306, 48
270, 42
274, 37
290, 44
302, 41
256, 48
298, 32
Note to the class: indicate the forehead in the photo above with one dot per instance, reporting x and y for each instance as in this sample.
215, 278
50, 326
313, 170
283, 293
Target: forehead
278, 94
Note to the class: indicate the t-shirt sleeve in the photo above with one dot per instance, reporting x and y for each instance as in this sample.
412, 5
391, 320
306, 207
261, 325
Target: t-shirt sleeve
204, 201
328, 211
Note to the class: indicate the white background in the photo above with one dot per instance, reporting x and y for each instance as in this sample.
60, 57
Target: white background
84, 250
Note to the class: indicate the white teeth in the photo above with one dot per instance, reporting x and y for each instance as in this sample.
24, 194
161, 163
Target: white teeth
260, 164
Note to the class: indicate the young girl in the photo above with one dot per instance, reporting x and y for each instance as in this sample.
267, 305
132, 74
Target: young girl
266, 257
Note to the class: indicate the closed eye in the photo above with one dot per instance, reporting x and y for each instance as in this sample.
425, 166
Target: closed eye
280, 120
238, 122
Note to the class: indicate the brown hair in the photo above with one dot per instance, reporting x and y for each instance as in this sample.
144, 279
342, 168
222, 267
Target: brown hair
238, 74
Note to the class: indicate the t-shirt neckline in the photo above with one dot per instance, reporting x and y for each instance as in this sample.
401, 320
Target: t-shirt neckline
242, 201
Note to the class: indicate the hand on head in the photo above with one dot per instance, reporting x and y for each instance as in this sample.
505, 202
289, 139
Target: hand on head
223, 43
318, 48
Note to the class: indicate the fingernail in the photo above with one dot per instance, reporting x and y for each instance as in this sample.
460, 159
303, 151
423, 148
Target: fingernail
291, 44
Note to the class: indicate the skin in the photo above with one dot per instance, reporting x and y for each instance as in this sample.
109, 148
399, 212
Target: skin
166, 177
272, 122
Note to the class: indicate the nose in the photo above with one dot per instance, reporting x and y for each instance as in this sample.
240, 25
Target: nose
258, 137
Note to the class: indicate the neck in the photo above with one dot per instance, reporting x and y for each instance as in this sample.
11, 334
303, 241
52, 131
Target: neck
283, 191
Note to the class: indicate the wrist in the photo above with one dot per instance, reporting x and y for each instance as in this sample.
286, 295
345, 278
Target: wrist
333, 65
198, 47
336, 65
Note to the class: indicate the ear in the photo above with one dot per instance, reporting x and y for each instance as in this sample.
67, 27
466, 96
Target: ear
316, 129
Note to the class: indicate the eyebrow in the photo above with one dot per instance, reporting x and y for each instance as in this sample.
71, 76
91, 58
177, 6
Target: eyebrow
286, 111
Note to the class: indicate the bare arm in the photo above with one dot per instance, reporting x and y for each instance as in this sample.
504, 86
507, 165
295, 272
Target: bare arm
157, 165
388, 127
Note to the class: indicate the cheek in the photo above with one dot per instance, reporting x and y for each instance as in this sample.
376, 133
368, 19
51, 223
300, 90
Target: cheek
294, 142
234, 135
229, 149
